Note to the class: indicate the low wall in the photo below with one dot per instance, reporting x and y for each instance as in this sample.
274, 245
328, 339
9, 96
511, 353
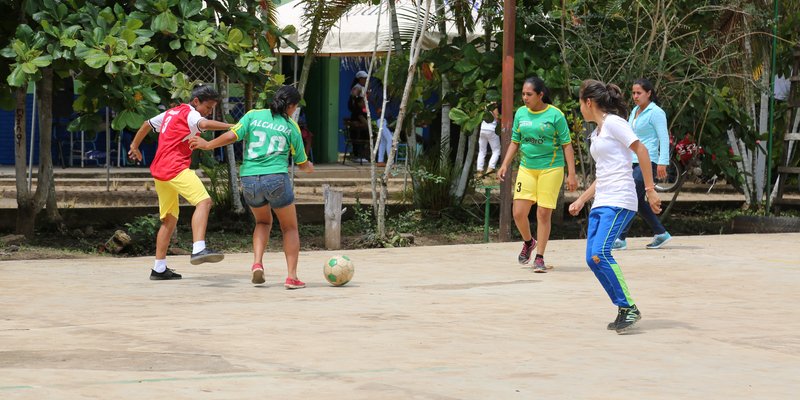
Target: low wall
118, 216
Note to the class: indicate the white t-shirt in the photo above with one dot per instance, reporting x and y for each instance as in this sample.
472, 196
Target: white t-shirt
613, 158
489, 126
192, 119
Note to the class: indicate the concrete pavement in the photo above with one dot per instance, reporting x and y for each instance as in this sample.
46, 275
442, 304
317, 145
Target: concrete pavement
721, 321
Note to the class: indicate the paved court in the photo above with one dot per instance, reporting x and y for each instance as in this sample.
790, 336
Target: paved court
721, 321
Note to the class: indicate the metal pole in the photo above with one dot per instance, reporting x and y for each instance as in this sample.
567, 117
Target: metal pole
771, 124
488, 191
509, 26
119, 149
33, 139
108, 151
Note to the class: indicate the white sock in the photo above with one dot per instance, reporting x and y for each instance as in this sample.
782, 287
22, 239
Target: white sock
160, 266
198, 246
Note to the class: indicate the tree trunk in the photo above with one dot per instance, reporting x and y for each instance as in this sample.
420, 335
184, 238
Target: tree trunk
233, 173
760, 168
412, 67
313, 39
373, 140
25, 215
248, 97
444, 141
459, 161
395, 28
45, 180
411, 140
509, 18
465, 169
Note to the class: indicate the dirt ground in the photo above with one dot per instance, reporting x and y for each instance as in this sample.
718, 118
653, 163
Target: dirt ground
720, 321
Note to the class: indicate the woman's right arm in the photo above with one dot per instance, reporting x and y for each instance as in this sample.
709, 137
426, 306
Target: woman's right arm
199, 143
578, 204
512, 150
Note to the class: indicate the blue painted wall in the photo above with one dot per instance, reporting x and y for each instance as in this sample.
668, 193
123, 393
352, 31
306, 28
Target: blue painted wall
7, 135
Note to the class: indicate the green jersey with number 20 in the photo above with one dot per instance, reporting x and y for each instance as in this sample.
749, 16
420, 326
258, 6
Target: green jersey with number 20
268, 141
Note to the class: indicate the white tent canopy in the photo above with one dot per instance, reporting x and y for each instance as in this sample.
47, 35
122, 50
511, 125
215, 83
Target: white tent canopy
354, 34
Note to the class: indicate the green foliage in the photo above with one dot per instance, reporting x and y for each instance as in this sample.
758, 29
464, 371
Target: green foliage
127, 57
219, 187
363, 220
145, 226
431, 182
363, 224
143, 232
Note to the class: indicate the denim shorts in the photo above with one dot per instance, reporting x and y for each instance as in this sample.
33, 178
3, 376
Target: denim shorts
273, 189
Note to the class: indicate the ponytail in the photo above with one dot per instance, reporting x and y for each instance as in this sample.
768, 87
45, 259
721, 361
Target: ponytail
608, 97
285, 97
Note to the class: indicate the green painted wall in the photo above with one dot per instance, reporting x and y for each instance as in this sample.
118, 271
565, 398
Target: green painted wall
322, 108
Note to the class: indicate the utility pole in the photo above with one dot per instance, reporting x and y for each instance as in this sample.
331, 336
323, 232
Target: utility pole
509, 26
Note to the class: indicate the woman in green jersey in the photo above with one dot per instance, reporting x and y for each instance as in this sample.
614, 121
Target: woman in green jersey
270, 136
541, 134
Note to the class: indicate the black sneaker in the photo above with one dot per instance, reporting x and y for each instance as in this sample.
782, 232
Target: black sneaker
525, 254
626, 317
168, 274
206, 255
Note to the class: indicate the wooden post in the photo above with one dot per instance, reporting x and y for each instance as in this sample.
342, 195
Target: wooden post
506, 196
333, 217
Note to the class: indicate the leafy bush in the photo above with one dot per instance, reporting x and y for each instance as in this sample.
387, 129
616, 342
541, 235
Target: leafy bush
143, 231
431, 181
219, 188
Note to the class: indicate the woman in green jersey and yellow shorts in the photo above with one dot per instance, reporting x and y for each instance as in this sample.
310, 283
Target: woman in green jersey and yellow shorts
541, 134
270, 137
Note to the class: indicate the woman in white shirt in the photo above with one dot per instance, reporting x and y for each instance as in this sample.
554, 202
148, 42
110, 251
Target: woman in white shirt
614, 191
488, 138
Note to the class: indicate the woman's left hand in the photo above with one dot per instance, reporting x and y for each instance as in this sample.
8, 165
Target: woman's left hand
654, 200
572, 182
576, 207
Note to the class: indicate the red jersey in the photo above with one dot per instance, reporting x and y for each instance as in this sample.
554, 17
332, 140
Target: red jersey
175, 127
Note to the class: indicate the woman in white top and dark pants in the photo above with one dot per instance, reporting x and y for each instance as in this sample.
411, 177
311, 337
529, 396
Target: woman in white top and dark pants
614, 191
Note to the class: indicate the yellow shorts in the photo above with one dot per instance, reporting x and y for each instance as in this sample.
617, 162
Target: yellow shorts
539, 185
187, 185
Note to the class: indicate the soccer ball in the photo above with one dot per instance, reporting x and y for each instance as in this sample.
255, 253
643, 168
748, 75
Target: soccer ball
338, 270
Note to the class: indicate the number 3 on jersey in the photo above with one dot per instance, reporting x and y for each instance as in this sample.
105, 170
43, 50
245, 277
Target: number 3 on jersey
519, 187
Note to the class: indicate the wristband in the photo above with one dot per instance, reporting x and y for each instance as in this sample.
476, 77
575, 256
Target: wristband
649, 188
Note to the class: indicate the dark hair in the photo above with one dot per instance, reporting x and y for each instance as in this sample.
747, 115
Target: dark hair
539, 87
205, 93
284, 97
648, 87
608, 97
